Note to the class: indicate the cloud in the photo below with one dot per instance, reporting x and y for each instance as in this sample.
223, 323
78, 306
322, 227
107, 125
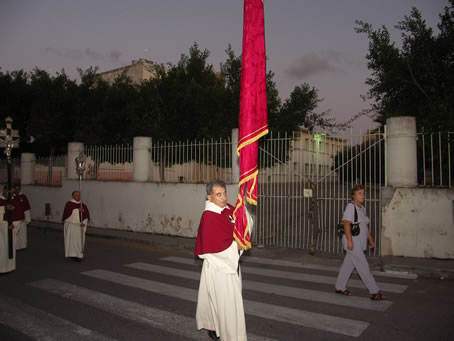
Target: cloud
312, 64
88, 53
93, 55
114, 56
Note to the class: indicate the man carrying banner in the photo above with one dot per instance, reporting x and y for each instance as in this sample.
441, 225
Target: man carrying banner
75, 218
220, 302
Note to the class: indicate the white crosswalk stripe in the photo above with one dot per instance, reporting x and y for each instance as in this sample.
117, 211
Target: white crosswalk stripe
156, 318
278, 262
299, 317
300, 293
141, 277
41, 325
321, 279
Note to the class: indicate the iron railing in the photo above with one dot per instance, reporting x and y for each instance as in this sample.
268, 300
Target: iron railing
435, 159
191, 162
305, 183
50, 171
15, 168
109, 163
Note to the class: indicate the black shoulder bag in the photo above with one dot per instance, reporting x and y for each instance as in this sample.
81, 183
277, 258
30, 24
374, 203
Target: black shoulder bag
354, 226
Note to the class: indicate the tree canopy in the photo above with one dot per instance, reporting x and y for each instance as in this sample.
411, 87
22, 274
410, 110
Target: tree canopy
186, 101
416, 79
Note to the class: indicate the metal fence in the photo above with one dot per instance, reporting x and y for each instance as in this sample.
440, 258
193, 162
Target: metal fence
435, 159
191, 162
50, 171
305, 182
109, 163
15, 168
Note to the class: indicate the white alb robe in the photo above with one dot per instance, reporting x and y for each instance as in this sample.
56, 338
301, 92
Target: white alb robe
6, 264
74, 235
220, 301
20, 228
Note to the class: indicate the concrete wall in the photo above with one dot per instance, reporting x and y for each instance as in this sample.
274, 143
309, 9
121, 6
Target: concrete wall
418, 222
171, 209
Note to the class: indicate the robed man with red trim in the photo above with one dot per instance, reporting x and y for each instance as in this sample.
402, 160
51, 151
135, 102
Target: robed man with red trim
223, 235
220, 303
7, 264
75, 218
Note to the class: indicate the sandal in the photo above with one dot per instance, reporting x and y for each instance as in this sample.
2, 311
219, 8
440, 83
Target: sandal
343, 292
377, 297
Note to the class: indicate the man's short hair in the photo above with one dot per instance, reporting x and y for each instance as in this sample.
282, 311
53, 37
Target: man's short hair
75, 191
212, 183
16, 185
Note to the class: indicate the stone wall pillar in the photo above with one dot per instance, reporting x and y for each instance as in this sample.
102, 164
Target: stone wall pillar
27, 168
401, 158
141, 158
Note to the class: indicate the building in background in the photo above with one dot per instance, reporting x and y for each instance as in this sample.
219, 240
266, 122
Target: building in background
139, 71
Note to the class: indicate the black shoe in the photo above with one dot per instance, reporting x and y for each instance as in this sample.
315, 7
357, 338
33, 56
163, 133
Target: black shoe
212, 335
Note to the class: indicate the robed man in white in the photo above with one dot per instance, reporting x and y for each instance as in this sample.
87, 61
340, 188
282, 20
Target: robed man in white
22, 204
6, 264
220, 302
75, 218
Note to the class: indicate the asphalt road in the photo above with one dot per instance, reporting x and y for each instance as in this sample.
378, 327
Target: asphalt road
131, 291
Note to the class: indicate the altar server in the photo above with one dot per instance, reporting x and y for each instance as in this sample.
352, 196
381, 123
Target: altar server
220, 302
75, 218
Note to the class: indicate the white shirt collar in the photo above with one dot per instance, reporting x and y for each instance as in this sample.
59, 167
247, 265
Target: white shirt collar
209, 206
74, 201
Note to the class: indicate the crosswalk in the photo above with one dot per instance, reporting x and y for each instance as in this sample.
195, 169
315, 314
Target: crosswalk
262, 278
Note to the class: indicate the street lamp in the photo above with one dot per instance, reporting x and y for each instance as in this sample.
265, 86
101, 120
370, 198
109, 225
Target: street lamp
80, 168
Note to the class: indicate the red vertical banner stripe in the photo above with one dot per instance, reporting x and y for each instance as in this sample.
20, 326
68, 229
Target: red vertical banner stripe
253, 122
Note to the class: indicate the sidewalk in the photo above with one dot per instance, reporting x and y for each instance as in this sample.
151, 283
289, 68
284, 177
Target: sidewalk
422, 267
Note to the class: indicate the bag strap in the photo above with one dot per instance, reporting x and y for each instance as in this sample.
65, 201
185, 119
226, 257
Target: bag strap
356, 213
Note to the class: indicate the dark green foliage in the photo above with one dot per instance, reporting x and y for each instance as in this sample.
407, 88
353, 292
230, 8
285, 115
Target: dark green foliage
418, 78
186, 101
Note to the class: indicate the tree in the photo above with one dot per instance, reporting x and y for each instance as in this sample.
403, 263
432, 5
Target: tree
299, 110
416, 79
51, 111
186, 101
192, 98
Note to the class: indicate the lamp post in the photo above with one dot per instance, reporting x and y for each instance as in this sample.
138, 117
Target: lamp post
80, 168
315, 235
9, 139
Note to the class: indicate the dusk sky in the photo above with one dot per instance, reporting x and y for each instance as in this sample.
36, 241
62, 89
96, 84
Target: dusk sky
309, 41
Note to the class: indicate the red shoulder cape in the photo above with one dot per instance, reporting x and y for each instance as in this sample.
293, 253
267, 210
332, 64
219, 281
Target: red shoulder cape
24, 201
215, 231
70, 206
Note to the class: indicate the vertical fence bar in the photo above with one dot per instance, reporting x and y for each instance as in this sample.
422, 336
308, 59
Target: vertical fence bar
449, 159
440, 159
432, 159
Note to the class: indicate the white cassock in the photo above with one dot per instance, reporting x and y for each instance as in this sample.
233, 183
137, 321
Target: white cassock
220, 301
74, 234
6, 264
20, 228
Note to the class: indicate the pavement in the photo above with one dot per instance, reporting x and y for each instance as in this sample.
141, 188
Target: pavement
400, 266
